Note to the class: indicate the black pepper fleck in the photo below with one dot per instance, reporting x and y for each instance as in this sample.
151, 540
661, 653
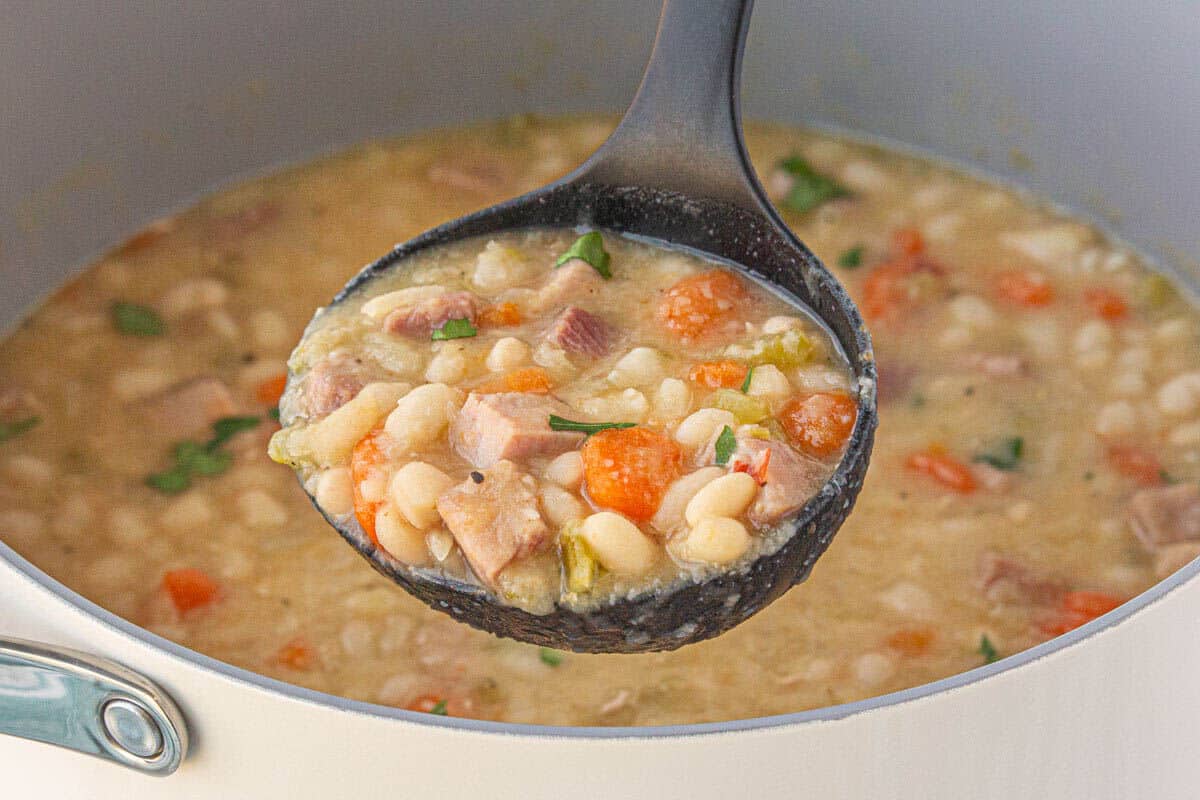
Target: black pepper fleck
477, 477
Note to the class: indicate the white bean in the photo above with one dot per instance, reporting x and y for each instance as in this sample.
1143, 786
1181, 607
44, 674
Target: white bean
498, 267
700, 426
670, 511
507, 354
448, 365
973, 310
566, 470
560, 506
440, 543
618, 544
713, 540
874, 668
727, 496
415, 489
377, 308
1115, 419
769, 382
782, 324
193, 295
330, 441
1180, 395
422, 414
641, 366
672, 400
261, 510
335, 491
401, 540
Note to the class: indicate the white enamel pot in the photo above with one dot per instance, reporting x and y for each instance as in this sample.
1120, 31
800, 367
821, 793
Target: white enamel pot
113, 114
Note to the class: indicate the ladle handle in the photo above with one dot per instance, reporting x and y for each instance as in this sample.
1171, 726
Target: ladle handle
683, 131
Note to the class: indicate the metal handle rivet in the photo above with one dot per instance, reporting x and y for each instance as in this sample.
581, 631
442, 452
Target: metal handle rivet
131, 728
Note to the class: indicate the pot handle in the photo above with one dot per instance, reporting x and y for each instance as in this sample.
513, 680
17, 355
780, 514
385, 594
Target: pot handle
88, 704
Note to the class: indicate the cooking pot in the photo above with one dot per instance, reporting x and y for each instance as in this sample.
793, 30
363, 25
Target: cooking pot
117, 113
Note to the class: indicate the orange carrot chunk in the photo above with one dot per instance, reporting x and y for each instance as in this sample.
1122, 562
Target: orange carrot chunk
1079, 608
296, 654
269, 391
629, 470
533, 380
1136, 463
945, 469
189, 589
912, 641
719, 374
500, 315
908, 241
819, 424
700, 306
365, 459
1106, 304
1027, 289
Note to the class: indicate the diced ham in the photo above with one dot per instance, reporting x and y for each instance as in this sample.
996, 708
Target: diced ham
788, 480
422, 318
494, 517
572, 282
190, 407
329, 385
581, 333
997, 365
1006, 580
1170, 558
1165, 515
232, 227
510, 425
895, 380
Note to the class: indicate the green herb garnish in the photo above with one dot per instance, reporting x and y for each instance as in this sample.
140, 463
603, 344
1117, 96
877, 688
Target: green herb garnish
135, 320
193, 459
987, 649
726, 444
557, 423
454, 329
851, 258
274, 413
1006, 455
11, 430
809, 187
439, 708
589, 248
550, 657
749, 377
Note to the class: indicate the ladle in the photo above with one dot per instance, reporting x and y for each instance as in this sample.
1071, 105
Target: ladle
675, 170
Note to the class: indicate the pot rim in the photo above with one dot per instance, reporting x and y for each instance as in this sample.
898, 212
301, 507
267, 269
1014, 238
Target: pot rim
128, 630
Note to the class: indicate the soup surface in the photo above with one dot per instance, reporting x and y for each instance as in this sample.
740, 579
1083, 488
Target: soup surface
1035, 462
585, 425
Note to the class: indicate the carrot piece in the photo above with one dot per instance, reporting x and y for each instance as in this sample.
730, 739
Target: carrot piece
1136, 463
699, 306
819, 424
1106, 304
365, 459
269, 391
533, 380
1027, 289
945, 469
1079, 608
296, 654
629, 470
757, 471
189, 588
912, 641
896, 286
500, 315
719, 374
908, 241
443, 705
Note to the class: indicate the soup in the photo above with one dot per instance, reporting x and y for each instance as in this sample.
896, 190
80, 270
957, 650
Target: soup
586, 425
1035, 463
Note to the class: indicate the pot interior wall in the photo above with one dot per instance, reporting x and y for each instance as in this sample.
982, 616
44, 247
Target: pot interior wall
117, 113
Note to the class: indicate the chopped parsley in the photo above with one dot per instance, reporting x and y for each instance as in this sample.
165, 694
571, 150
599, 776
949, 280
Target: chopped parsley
134, 320
749, 377
851, 258
987, 649
195, 459
551, 658
557, 423
11, 430
589, 248
726, 444
439, 708
274, 413
809, 187
454, 329
1005, 455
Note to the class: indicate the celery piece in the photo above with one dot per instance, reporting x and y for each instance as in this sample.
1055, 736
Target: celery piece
747, 409
1154, 291
785, 350
581, 566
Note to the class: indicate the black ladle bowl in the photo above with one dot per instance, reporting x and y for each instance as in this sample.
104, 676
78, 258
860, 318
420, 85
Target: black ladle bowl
675, 170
